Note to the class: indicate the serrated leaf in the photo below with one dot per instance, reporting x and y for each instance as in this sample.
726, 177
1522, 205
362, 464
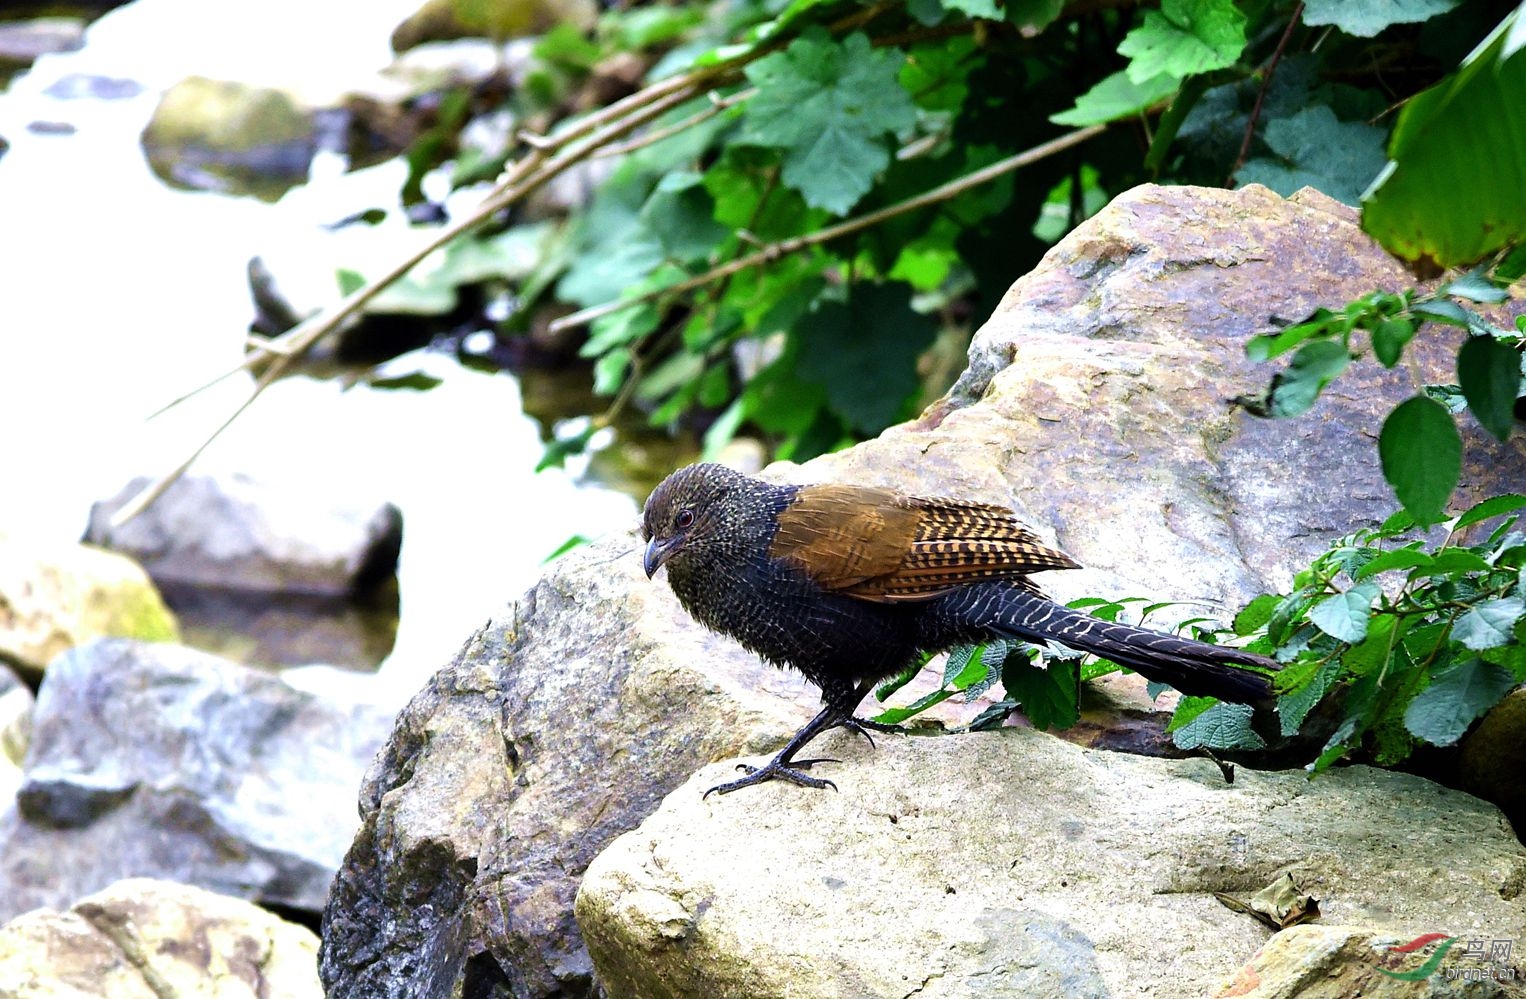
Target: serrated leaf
1489, 624
1474, 286
1441, 713
1115, 97
1489, 508
1489, 373
831, 107
1316, 149
1344, 616
1184, 38
1399, 558
1255, 614
1223, 726
1048, 696
1366, 17
1421, 454
1294, 706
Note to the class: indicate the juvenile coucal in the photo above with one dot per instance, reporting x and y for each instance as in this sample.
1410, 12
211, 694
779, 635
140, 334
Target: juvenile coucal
850, 584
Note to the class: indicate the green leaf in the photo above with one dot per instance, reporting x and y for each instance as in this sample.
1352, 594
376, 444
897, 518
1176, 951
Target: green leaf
1315, 365
1223, 726
1294, 706
1256, 614
1452, 562
831, 108
1475, 286
1315, 149
1441, 713
975, 8
863, 353
1489, 372
1399, 558
894, 716
1264, 348
1389, 338
1488, 624
1188, 708
1455, 187
1489, 508
1183, 38
1365, 18
681, 214
1115, 97
1422, 456
350, 281
1048, 696
1344, 615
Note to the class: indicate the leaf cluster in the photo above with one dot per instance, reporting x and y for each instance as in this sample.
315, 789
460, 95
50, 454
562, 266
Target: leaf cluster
794, 249
1420, 446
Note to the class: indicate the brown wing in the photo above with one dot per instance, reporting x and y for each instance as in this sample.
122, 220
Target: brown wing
880, 545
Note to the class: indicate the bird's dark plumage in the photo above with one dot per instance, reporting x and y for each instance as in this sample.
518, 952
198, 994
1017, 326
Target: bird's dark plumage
849, 584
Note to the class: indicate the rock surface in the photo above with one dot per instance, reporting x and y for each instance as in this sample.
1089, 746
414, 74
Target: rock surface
144, 939
233, 533
1015, 864
1095, 406
53, 598
1333, 962
228, 136
152, 759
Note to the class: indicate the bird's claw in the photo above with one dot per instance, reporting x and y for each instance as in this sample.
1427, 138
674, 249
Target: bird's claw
773, 770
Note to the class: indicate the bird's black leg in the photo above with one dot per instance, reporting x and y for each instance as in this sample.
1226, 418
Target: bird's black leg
780, 766
841, 701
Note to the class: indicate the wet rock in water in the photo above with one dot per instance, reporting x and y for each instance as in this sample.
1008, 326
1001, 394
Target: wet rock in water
1010, 864
146, 939
83, 86
23, 41
231, 137
54, 597
234, 533
153, 759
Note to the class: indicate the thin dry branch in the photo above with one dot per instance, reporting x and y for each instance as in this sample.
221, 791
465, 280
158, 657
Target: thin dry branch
795, 244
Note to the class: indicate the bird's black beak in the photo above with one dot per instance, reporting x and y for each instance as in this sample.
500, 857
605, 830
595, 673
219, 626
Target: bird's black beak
657, 552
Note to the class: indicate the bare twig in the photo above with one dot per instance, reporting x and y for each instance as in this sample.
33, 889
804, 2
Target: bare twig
1266, 81
776, 250
717, 105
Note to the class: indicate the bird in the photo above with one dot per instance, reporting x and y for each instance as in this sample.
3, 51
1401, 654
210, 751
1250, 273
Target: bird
851, 584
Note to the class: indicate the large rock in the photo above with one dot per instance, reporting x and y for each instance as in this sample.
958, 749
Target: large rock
161, 761
1014, 864
235, 533
1096, 405
559, 725
144, 939
54, 597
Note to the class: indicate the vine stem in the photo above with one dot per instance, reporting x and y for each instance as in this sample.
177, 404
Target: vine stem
774, 251
1266, 81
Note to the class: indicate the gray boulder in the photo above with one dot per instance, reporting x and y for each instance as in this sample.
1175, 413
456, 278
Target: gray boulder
1014, 864
156, 760
234, 533
145, 939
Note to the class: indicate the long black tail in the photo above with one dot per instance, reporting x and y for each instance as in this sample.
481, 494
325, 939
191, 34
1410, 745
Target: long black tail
1191, 667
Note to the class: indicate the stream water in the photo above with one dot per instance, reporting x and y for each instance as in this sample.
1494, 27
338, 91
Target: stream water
118, 294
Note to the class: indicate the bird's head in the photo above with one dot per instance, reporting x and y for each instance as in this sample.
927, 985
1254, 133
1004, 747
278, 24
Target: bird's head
685, 513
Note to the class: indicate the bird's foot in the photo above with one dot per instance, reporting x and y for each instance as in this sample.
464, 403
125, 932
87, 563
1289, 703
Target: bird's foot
774, 769
863, 726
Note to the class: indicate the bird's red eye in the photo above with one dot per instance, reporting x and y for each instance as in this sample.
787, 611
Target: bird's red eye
685, 519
